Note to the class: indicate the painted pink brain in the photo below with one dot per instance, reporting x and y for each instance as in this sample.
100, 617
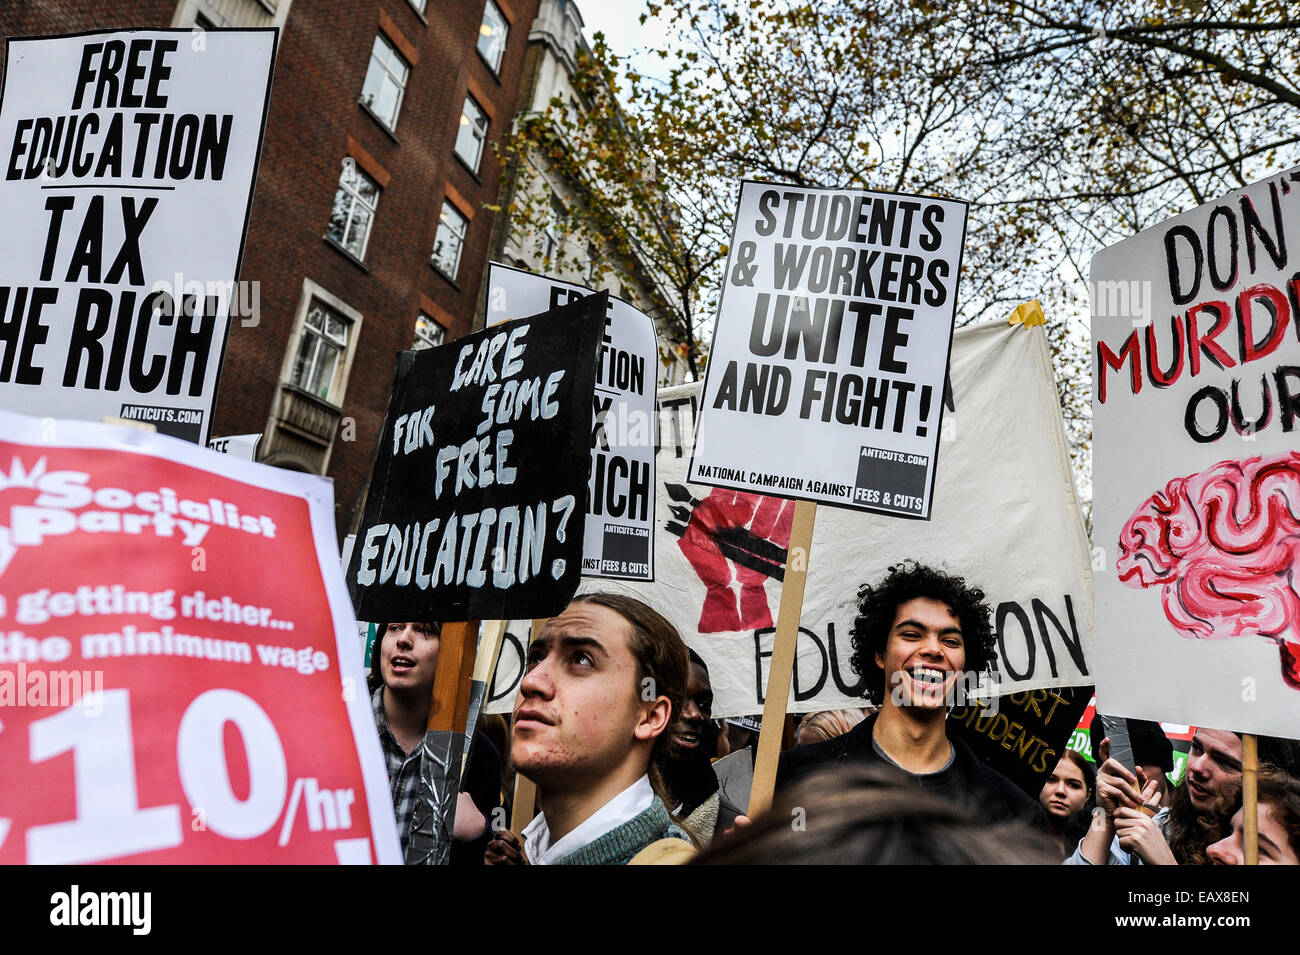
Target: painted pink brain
1221, 545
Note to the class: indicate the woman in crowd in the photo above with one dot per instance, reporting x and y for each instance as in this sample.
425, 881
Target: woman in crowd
1070, 787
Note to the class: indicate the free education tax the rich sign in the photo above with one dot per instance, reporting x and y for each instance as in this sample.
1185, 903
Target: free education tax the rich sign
618, 539
826, 377
127, 162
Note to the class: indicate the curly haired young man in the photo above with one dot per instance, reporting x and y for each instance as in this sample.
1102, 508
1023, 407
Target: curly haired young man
919, 633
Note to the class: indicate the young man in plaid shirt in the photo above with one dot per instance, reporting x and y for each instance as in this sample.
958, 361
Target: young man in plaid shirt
404, 661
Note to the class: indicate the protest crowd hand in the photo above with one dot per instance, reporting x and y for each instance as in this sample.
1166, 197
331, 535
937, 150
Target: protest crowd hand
740, 824
469, 823
504, 849
1138, 833
1117, 788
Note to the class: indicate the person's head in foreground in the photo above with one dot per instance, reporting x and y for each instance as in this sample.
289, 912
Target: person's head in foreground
601, 685
1279, 825
865, 815
917, 633
1068, 789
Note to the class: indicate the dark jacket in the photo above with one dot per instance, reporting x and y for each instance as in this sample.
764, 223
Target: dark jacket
990, 795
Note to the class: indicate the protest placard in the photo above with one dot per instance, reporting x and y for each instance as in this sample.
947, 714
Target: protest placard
164, 699
1197, 473
826, 376
1006, 517
126, 180
1021, 735
242, 446
476, 501
619, 530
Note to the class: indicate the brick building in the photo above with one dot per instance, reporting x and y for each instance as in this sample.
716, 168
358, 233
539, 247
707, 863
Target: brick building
368, 231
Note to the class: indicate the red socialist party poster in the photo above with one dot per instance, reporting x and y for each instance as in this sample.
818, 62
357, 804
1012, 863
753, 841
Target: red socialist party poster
179, 675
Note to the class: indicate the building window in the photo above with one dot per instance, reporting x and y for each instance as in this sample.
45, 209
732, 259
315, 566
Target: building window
450, 240
472, 133
492, 36
385, 82
419, 6
354, 209
321, 348
428, 333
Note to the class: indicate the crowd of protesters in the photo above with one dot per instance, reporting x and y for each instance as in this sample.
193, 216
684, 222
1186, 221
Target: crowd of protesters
613, 725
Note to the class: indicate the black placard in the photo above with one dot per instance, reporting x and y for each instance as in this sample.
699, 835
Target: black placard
1023, 736
478, 494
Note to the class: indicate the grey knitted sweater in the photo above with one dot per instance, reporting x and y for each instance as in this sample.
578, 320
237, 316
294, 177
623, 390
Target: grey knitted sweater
620, 844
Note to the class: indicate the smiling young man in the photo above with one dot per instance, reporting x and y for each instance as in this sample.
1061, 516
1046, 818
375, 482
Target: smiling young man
919, 632
1126, 832
602, 683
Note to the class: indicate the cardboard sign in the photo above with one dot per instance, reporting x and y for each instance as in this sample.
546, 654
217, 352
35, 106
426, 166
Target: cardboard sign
126, 178
619, 532
1197, 487
1021, 735
1005, 517
242, 446
477, 497
826, 377
163, 698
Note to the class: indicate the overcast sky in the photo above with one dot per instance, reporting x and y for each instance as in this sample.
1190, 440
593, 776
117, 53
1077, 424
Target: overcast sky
618, 20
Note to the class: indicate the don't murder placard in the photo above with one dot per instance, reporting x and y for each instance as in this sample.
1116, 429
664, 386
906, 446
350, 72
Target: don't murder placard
1196, 407
826, 377
619, 537
476, 503
126, 173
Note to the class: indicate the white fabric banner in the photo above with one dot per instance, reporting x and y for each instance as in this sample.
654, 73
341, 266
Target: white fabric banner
1196, 347
1005, 517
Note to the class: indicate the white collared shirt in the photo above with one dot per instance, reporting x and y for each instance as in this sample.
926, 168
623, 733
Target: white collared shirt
627, 805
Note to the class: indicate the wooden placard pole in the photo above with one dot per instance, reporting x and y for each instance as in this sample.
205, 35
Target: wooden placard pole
485, 666
521, 812
783, 652
434, 815
451, 680
1250, 796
